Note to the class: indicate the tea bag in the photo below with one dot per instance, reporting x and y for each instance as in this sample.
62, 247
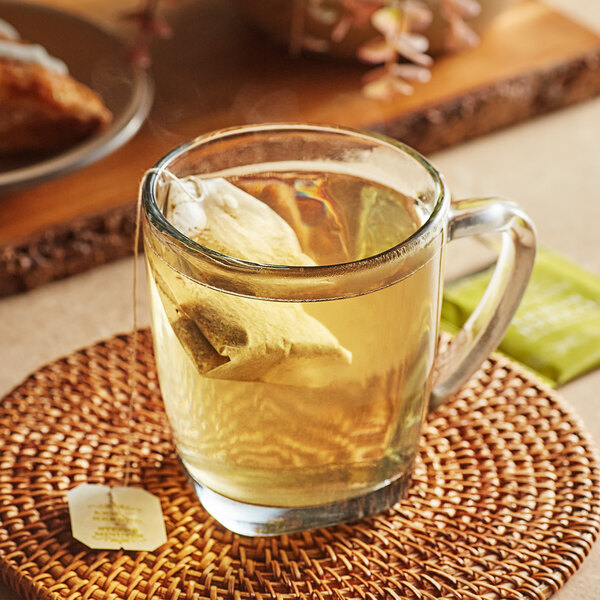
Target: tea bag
222, 217
232, 337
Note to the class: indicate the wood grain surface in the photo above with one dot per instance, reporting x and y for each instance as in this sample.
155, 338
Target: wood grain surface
216, 72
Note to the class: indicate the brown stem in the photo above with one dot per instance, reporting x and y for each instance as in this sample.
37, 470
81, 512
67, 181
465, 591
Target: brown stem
297, 26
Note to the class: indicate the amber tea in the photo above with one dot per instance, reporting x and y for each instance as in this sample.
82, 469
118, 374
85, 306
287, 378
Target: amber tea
310, 425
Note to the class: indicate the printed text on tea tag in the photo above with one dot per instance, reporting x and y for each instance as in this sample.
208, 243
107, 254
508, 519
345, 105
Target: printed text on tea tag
106, 518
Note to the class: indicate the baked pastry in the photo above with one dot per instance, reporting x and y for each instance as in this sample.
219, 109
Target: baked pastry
42, 108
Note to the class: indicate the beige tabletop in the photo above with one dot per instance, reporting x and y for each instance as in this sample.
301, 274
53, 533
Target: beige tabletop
549, 165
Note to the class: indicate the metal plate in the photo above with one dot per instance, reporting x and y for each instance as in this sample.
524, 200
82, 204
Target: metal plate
94, 57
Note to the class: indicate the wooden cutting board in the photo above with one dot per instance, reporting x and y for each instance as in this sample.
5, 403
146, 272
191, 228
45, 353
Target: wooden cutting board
216, 72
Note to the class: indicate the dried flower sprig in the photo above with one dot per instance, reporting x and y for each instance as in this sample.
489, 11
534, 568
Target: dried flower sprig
400, 48
149, 24
400, 25
459, 34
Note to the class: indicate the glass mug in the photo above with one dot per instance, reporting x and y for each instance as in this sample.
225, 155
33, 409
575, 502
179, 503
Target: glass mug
324, 371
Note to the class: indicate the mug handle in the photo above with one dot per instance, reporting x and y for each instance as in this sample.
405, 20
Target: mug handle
485, 327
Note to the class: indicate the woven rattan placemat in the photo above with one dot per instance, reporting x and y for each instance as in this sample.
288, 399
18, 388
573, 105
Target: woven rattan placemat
504, 501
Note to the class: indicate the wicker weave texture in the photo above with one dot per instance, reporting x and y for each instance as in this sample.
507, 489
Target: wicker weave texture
504, 501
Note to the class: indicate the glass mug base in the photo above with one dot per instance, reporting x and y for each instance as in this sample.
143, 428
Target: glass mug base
256, 520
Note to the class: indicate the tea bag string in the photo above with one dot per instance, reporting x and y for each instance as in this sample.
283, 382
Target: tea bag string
119, 516
132, 382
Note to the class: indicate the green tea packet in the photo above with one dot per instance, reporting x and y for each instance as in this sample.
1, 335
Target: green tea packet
556, 330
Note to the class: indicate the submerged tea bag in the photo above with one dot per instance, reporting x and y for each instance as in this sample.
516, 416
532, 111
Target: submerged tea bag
222, 217
232, 337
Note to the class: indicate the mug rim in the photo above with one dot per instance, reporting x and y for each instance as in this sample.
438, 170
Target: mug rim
158, 220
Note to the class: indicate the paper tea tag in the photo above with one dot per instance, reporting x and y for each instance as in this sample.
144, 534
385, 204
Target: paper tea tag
105, 518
